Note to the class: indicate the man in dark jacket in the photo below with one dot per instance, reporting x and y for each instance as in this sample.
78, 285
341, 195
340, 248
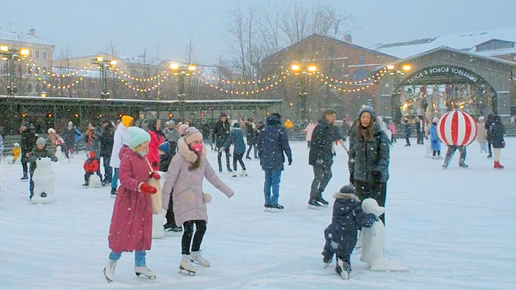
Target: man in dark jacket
321, 156
272, 147
28, 139
250, 133
369, 151
221, 133
489, 121
106, 146
408, 130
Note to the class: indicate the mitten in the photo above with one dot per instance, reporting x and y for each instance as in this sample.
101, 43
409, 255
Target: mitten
147, 188
155, 175
53, 158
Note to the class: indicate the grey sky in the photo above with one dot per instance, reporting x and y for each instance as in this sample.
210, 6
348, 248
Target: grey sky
88, 26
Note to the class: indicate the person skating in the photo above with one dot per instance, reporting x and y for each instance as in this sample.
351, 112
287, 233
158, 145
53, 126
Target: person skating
449, 154
408, 131
435, 142
341, 234
488, 123
157, 137
120, 139
321, 156
482, 134
39, 151
185, 176
250, 133
91, 166
131, 223
497, 140
368, 163
309, 130
237, 139
392, 128
28, 139
221, 132
165, 157
106, 148
272, 147
171, 135
16, 152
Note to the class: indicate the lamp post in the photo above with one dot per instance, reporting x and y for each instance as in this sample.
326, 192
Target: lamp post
303, 72
396, 95
181, 72
11, 55
104, 65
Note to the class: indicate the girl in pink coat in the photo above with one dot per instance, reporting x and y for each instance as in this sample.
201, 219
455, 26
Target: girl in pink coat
131, 223
185, 175
156, 138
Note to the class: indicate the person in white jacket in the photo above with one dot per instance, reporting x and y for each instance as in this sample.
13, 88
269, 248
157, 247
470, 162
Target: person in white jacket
120, 139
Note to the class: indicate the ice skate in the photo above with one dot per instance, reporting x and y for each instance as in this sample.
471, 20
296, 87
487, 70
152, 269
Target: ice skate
244, 173
143, 270
343, 268
109, 271
463, 165
113, 192
186, 265
198, 259
313, 204
276, 206
321, 200
267, 207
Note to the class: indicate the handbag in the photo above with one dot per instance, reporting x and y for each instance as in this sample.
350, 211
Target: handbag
157, 204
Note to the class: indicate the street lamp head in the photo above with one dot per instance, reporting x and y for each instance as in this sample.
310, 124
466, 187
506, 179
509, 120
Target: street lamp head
174, 66
24, 52
4, 48
113, 62
295, 67
192, 67
406, 67
312, 68
390, 66
43, 94
99, 59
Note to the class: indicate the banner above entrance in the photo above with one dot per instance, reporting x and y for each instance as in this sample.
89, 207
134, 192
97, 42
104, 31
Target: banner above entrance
451, 72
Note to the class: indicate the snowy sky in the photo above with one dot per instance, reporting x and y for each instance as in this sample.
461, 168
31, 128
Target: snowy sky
87, 27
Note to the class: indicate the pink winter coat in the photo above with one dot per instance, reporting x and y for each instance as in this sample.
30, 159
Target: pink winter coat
153, 156
131, 223
189, 198
309, 131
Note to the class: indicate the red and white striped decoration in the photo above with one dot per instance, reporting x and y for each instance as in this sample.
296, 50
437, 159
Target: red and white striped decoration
457, 128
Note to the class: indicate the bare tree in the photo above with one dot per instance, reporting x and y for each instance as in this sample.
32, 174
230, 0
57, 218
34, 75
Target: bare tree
295, 23
235, 26
190, 55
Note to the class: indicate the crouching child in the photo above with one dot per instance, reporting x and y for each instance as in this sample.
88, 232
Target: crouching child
341, 234
91, 165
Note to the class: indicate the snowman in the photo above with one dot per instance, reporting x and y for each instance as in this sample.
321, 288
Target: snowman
373, 242
43, 179
94, 181
59, 153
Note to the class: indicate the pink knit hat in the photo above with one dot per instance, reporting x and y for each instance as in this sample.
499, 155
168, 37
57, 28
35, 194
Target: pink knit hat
182, 129
191, 134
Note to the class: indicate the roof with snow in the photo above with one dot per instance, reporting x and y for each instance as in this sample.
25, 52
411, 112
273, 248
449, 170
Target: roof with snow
24, 38
461, 41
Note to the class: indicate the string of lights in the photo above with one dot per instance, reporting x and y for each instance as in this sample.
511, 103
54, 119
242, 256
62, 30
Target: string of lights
243, 92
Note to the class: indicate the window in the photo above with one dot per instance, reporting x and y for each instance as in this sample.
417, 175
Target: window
362, 59
44, 54
360, 75
36, 53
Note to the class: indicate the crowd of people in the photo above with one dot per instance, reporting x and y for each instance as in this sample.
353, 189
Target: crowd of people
132, 152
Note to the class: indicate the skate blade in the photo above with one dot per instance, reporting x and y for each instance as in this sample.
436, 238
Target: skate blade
314, 207
272, 210
188, 272
109, 280
197, 263
144, 276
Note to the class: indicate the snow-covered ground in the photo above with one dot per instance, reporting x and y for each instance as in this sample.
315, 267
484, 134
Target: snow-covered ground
453, 228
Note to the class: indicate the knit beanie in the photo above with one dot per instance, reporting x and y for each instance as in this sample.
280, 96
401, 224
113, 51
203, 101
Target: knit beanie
182, 129
192, 134
137, 136
369, 110
348, 188
165, 147
126, 121
41, 141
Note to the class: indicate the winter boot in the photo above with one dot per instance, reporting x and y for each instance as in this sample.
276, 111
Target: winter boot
24, 177
343, 268
186, 265
497, 165
109, 270
197, 258
327, 258
229, 169
244, 173
143, 270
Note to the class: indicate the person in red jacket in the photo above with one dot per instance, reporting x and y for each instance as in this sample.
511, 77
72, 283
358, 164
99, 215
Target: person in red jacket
156, 138
91, 165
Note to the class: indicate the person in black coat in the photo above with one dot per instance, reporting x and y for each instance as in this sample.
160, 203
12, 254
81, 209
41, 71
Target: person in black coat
488, 123
272, 147
341, 234
408, 131
221, 132
106, 146
250, 133
165, 157
497, 133
369, 154
321, 156
28, 139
